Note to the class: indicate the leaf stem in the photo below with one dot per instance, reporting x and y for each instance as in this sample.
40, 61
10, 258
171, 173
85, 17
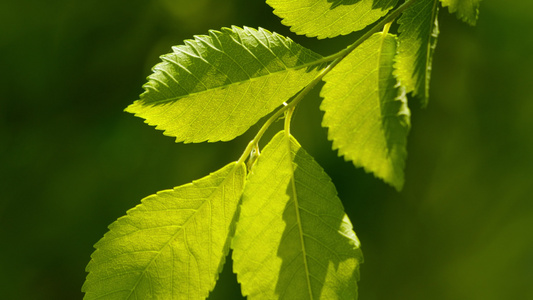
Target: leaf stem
287, 124
335, 59
379, 26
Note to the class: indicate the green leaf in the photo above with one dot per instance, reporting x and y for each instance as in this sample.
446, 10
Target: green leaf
329, 18
466, 10
416, 44
293, 239
366, 112
172, 246
215, 87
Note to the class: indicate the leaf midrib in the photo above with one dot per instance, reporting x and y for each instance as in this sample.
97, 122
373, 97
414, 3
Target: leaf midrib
220, 87
297, 211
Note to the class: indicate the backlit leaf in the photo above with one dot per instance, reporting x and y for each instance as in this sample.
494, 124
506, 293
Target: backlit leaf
293, 239
416, 44
172, 246
466, 10
329, 18
366, 114
215, 87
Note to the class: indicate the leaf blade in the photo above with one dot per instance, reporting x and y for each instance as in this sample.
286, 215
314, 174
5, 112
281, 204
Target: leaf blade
365, 112
466, 10
416, 44
290, 202
152, 252
329, 18
215, 87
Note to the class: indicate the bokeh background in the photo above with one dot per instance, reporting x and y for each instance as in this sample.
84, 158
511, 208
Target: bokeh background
71, 161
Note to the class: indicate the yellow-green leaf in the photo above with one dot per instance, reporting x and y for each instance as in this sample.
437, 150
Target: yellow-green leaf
172, 246
416, 44
365, 111
329, 18
293, 239
215, 87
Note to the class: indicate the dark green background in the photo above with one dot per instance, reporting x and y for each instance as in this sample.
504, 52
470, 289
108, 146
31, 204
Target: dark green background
71, 161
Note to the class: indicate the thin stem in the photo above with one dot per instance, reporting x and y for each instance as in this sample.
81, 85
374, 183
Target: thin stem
386, 28
335, 59
379, 26
287, 124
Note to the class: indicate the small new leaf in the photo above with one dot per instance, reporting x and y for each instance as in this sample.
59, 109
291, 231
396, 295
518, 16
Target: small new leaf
329, 18
293, 239
416, 44
466, 10
172, 246
365, 112
215, 87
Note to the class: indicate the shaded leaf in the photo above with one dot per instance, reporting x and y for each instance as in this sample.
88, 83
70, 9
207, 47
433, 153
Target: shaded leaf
172, 246
466, 10
293, 239
365, 112
416, 44
215, 87
329, 18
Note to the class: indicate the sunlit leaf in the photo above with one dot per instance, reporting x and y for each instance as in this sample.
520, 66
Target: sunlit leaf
366, 114
329, 18
466, 10
293, 239
172, 246
215, 87
416, 44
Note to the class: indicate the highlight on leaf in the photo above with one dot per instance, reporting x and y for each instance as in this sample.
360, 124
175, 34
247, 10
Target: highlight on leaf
293, 239
417, 40
172, 246
366, 112
215, 87
329, 18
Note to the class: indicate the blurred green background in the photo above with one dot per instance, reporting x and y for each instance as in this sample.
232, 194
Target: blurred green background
71, 161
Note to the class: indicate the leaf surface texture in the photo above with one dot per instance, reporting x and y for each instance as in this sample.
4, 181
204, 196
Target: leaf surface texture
329, 18
466, 10
172, 246
293, 239
366, 114
416, 45
215, 87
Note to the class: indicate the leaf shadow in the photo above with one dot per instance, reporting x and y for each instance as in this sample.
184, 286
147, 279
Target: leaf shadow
331, 259
337, 3
375, 4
